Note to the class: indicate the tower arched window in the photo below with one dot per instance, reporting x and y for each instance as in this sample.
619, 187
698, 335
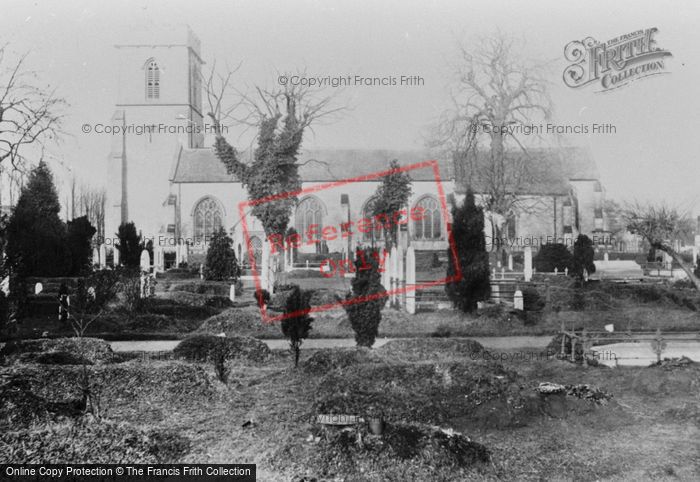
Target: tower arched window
429, 227
207, 219
309, 212
152, 80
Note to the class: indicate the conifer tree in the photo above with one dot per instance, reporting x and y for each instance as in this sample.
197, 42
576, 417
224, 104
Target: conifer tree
221, 263
468, 235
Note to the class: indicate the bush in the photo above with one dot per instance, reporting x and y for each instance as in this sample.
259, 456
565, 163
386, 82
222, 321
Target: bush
221, 263
129, 245
442, 331
80, 233
262, 297
551, 256
584, 254
297, 323
366, 315
532, 300
468, 234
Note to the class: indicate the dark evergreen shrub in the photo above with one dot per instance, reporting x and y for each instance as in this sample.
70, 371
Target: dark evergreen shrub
36, 236
80, 233
551, 256
129, 245
367, 297
583, 256
468, 235
221, 263
296, 328
532, 300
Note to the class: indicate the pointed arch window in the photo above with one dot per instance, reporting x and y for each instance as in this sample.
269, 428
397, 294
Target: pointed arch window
428, 228
152, 80
377, 233
207, 219
309, 212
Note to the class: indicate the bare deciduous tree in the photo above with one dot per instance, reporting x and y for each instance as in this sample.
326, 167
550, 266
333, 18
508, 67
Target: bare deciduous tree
29, 113
91, 202
661, 226
280, 117
497, 97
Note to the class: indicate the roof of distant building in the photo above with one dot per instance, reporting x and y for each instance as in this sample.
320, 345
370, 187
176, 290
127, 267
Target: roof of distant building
549, 172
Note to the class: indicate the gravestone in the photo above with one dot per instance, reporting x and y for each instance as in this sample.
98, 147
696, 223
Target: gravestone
510, 262
606, 257
386, 279
145, 260
401, 277
410, 280
527, 271
232, 293
103, 256
393, 258
496, 293
95, 256
115, 254
38, 288
518, 303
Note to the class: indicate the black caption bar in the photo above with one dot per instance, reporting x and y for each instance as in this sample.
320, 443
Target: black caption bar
124, 472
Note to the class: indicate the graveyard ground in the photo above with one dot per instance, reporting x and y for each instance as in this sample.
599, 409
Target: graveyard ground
177, 411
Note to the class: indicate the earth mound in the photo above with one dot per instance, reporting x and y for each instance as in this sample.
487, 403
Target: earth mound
432, 348
329, 359
202, 347
94, 350
481, 393
414, 448
245, 321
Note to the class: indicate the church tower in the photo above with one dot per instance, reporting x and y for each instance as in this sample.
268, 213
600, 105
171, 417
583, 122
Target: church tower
159, 107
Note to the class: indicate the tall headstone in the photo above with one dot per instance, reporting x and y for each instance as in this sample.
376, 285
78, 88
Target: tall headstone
386, 277
510, 262
103, 256
265, 268
401, 277
95, 256
232, 293
606, 257
159, 258
145, 261
394, 260
527, 271
410, 280
115, 259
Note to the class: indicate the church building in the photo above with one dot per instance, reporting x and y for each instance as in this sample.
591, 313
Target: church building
177, 192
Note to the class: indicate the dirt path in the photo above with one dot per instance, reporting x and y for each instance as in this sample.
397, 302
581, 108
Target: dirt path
492, 342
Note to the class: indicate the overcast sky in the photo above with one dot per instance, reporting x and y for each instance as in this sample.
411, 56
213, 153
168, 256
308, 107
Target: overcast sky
652, 156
